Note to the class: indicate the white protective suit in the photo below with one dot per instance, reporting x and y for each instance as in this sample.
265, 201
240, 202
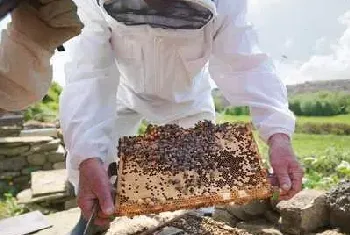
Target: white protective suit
121, 73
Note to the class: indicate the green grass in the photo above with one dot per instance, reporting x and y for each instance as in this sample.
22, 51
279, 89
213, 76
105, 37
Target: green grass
332, 119
300, 119
306, 144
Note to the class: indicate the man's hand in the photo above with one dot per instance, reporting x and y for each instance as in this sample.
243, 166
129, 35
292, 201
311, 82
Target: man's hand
285, 166
94, 186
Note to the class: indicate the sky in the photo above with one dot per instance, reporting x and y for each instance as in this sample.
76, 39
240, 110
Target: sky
307, 39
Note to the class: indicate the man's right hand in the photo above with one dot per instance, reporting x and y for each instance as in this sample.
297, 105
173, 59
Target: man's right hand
94, 186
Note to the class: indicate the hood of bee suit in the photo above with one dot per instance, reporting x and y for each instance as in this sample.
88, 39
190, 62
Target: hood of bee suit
179, 14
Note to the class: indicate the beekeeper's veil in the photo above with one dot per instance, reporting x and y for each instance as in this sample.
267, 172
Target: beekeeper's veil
178, 14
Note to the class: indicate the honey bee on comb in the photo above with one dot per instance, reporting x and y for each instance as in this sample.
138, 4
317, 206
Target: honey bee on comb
171, 168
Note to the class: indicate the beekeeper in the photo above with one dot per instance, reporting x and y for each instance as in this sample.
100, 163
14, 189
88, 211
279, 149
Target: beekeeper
38, 27
147, 59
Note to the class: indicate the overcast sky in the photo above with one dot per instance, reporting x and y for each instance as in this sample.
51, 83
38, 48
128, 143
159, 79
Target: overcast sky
308, 39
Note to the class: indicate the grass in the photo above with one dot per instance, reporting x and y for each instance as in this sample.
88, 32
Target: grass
345, 119
306, 144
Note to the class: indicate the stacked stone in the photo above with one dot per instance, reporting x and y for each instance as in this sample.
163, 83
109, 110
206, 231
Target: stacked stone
19, 156
11, 124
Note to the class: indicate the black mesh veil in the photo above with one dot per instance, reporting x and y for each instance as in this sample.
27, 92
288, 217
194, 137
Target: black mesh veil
179, 14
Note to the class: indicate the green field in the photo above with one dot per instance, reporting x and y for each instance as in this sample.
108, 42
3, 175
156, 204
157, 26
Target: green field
300, 119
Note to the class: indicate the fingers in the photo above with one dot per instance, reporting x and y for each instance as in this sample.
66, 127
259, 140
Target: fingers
104, 197
281, 172
85, 204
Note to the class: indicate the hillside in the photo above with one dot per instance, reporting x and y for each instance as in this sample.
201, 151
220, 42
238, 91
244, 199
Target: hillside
312, 87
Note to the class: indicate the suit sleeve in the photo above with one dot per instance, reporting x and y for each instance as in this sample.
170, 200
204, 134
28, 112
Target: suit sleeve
245, 74
88, 101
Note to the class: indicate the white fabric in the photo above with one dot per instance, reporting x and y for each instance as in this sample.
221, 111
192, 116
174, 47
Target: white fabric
121, 74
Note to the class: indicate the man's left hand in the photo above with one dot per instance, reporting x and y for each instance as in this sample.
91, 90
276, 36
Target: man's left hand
286, 167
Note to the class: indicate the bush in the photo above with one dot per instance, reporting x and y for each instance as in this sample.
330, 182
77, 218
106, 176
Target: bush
327, 170
47, 109
323, 128
320, 104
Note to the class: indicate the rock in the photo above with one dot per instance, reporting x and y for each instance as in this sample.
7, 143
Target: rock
59, 165
47, 166
70, 204
9, 175
25, 139
272, 216
260, 227
30, 169
11, 120
40, 132
306, 212
256, 208
13, 164
39, 125
45, 182
58, 156
223, 215
238, 212
2, 157
45, 147
339, 202
125, 226
63, 222
329, 232
22, 181
10, 131
26, 197
38, 159
171, 231
14, 151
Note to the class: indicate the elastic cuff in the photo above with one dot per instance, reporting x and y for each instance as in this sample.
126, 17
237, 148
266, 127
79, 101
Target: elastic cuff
266, 136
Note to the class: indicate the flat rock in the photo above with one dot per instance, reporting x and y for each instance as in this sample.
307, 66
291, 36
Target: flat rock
14, 151
13, 164
24, 224
11, 120
46, 182
45, 147
26, 197
306, 212
10, 131
63, 222
260, 227
25, 139
40, 132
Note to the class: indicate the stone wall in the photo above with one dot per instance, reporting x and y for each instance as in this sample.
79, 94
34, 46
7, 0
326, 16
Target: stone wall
23, 151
